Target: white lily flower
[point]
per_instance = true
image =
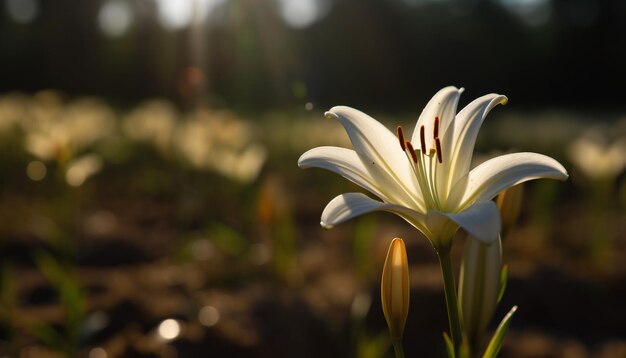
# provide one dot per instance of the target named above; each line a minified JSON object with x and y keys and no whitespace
{"x":430,"y":185}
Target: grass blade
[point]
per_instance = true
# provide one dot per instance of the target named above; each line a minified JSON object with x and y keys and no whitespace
{"x":496,"y":341}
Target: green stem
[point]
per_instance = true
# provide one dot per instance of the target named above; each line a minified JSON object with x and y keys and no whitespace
{"x":397,"y":347}
{"x":451,"y":300}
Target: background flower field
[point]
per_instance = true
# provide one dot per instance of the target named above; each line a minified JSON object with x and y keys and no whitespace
{"x":152,"y":205}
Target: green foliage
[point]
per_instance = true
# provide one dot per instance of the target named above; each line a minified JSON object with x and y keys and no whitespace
{"x":368,"y":346}
{"x":496,"y":341}
{"x":449,"y":345}
{"x":228,"y":239}
{"x":504,"y":277}
{"x":283,"y":247}
{"x":71,"y":299}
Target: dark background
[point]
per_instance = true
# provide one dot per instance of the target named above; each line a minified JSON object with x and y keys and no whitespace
{"x":380,"y":53}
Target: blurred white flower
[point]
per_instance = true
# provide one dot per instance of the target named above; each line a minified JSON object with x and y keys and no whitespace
{"x":221,"y":142}
{"x":244,"y":165}
{"x":12,"y":109}
{"x":82,"y":168}
{"x":57,"y":132}
{"x":152,"y":122}
{"x":596,"y":156}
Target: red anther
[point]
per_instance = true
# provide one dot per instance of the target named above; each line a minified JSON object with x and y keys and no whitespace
{"x":401,"y":138}
{"x":436,"y":131}
{"x":422,"y":139}
{"x":439,"y":154}
{"x":411,"y":151}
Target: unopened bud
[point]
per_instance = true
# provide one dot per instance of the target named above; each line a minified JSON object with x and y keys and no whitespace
{"x":479,"y":286}
{"x":510,"y":203}
{"x":394,"y":288}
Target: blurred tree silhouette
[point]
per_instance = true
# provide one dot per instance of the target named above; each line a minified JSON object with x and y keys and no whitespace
{"x":374,"y":52}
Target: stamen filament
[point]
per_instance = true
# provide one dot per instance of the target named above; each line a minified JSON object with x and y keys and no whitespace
{"x":422,"y":178}
{"x":412,"y":155}
{"x":433,"y":181}
{"x":411,"y":151}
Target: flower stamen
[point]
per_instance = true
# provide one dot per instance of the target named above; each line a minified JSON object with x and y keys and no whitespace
{"x":411,"y":151}
{"x":423,"y":139}
{"x":437,"y":141}
{"x":401,"y":138}
{"x":439,"y":154}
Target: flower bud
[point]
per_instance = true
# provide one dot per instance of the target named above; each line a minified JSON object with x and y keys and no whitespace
{"x":479,"y":286}
{"x":394,"y":288}
{"x":510,"y":203}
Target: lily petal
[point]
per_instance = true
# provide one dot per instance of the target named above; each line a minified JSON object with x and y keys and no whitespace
{"x":349,"y":164}
{"x":499,"y":173}
{"x":345,"y":162}
{"x":463,"y":136}
{"x":442,"y":105}
{"x":481,"y":220}
{"x":375,"y":144}
{"x":349,"y":205}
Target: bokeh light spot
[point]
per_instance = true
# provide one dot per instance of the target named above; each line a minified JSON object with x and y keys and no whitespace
{"x":260,"y":254}
{"x":82,"y":168}
{"x":98,"y":352}
{"x":102,"y":222}
{"x":22,"y":11}
{"x":202,"y":249}
{"x":178,"y":14}
{"x":169,"y":329}
{"x":532,"y":12}
{"x":175,"y":14}
{"x":299,"y":14}
{"x":209,"y":316}
{"x":115,"y":18}
{"x":36,"y":170}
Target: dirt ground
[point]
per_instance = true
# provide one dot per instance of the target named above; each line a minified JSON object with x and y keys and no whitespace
{"x":134,"y":278}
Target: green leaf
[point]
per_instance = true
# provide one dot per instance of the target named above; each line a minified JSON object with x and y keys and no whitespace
{"x":504,"y":276}
{"x":496,"y":341}
{"x":464,"y":350}
{"x":449,"y":345}
{"x":49,"y":336}
{"x":228,"y":240}
{"x":70,"y":296}
{"x":50,"y":268}
{"x":368,"y":346}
